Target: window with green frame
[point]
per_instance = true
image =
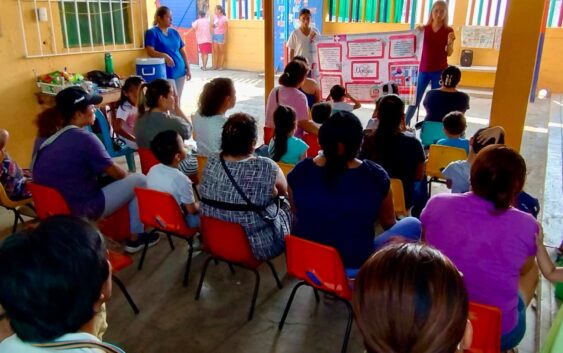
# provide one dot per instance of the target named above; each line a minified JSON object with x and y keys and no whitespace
{"x":79,"y":19}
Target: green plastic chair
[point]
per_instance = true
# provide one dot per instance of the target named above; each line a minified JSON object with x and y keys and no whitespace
{"x":431,"y":132}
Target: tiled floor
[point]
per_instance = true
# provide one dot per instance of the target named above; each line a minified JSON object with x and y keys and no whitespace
{"x":172,"y":321}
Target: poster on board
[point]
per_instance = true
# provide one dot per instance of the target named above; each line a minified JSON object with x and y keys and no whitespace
{"x":363,"y":62}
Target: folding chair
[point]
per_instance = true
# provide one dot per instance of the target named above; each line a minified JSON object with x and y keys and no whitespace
{"x":285,"y":168}
{"x":321,"y":268}
{"x":227,"y":242}
{"x":486,"y":321}
{"x":19,"y":207}
{"x":431,"y":132}
{"x":159,"y":210}
{"x":438,"y":158}
{"x":105,"y":137}
{"x":49,"y":202}
{"x":148,"y":160}
{"x":313,"y":143}
{"x":268,"y":134}
{"x":399,"y":198}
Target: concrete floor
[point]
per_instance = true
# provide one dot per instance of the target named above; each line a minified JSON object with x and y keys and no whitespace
{"x":172,"y":321}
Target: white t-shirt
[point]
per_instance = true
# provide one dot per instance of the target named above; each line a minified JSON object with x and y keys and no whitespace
{"x":341,"y":107}
{"x":128,"y":113}
{"x":13,"y":344}
{"x":171,"y":180}
{"x":301,"y":44}
{"x":459,"y":172}
{"x":207,"y":130}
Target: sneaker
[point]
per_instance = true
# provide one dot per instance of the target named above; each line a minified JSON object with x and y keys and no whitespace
{"x":132,"y":246}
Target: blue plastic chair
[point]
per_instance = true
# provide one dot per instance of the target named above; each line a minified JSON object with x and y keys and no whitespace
{"x":105,"y":137}
{"x":431,"y":132}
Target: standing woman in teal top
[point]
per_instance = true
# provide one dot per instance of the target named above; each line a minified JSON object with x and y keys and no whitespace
{"x":163,"y":41}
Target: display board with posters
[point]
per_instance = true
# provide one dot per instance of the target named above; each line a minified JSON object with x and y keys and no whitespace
{"x":363,"y":62}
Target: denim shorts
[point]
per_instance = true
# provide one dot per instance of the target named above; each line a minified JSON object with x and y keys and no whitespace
{"x":219,"y":38}
{"x":512,"y":338}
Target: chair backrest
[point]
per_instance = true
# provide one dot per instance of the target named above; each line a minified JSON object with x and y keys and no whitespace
{"x":105,"y":132}
{"x":486,"y":321}
{"x":398,"y":198}
{"x":160,"y":210}
{"x":313,"y":143}
{"x":227,"y":241}
{"x":317,"y":264}
{"x":431,"y":132}
{"x":285,"y":168}
{"x":440,"y":156}
{"x":148,"y":160}
{"x":268,"y":134}
{"x":48,"y":201}
{"x":201,"y":162}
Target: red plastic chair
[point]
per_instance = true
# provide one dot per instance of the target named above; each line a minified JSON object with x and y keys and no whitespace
{"x":268,"y":134}
{"x":49,"y":202}
{"x":313,"y":142}
{"x":159,"y":210}
{"x":486,"y":321}
{"x":227,"y":242}
{"x":147,"y":159}
{"x":320,"y":267}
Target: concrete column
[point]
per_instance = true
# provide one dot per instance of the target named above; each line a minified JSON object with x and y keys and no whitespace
{"x":515,"y":68}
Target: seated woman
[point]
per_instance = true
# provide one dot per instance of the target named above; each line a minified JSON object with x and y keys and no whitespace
{"x":72,"y":159}
{"x":492,"y":243}
{"x":398,"y":152}
{"x":240,"y":187}
{"x":288,"y":94}
{"x":441,"y":101}
{"x":337,"y":198}
{"x":12,"y":177}
{"x":411,"y":298}
{"x":310,"y":87}
{"x":218,"y":96}
{"x":159,"y":110}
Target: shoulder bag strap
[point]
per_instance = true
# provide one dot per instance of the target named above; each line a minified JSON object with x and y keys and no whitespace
{"x":66,"y":345}
{"x":277,"y":96}
{"x":49,"y":141}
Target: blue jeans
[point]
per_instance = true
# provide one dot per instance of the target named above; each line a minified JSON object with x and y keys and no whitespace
{"x":424,"y":78}
{"x":511,"y":339}
{"x":122,"y":192}
{"x":408,"y":228}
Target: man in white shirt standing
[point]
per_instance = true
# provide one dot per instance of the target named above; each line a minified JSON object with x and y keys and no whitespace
{"x":300,"y":42}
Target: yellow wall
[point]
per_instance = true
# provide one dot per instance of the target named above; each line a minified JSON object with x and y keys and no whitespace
{"x":18,"y":104}
{"x":245,"y":45}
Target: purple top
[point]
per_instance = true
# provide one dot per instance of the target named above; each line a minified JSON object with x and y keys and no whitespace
{"x":70,"y":165}
{"x":488,"y":248}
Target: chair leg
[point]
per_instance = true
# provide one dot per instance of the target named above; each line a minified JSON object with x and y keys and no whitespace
{"x":429,"y":187}
{"x":189,"y":262}
{"x":202,"y":277}
{"x":288,"y":305}
{"x":16,"y":218}
{"x":170,"y":242}
{"x":275,"y":274}
{"x":348,"y":325}
{"x":131,"y":162}
{"x":145,"y":248}
{"x":231,"y":268}
{"x":126,"y":294}
{"x":317,"y":298}
{"x":254,"y":294}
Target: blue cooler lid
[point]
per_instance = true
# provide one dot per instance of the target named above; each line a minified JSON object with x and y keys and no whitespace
{"x":149,"y":61}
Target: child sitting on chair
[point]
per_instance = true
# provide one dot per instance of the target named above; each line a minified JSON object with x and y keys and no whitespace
{"x":320,"y":112}
{"x":168,"y":148}
{"x":12,"y":177}
{"x":457,"y":173}
{"x":284,"y":146}
{"x":337,"y":95}
{"x":454,"y":128}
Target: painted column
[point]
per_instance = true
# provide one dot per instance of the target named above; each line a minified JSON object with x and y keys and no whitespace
{"x":268,"y":48}
{"x":515,"y":69}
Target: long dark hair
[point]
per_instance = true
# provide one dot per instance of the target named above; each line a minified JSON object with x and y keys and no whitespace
{"x":293,"y":74}
{"x":214,"y":94}
{"x":150,"y":93}
{"x":131,"y":82}
{"x":340,"y":138}
{"x":284,"y":121}
{"x":48,"y":122}
{"x":390,"y":112}
{"x":160,"y":12}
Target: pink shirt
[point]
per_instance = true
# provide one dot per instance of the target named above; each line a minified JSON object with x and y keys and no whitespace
{"x":202,"y":30}
{"x":291,"y":97}
{"x":220,"y":23}
{"x":488,"y":248}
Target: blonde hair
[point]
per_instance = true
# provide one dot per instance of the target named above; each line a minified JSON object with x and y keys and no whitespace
{"x":446,"y":19}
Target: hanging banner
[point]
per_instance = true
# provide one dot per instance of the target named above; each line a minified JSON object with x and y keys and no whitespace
{"x":362,"y":62}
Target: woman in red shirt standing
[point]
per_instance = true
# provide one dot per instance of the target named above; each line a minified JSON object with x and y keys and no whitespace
{"x":438,"y":44}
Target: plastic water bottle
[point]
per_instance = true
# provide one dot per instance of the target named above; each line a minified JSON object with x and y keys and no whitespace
{"x":109,"y":63}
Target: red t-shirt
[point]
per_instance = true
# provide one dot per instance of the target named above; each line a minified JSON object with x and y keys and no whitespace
{"x":434,"y":55}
